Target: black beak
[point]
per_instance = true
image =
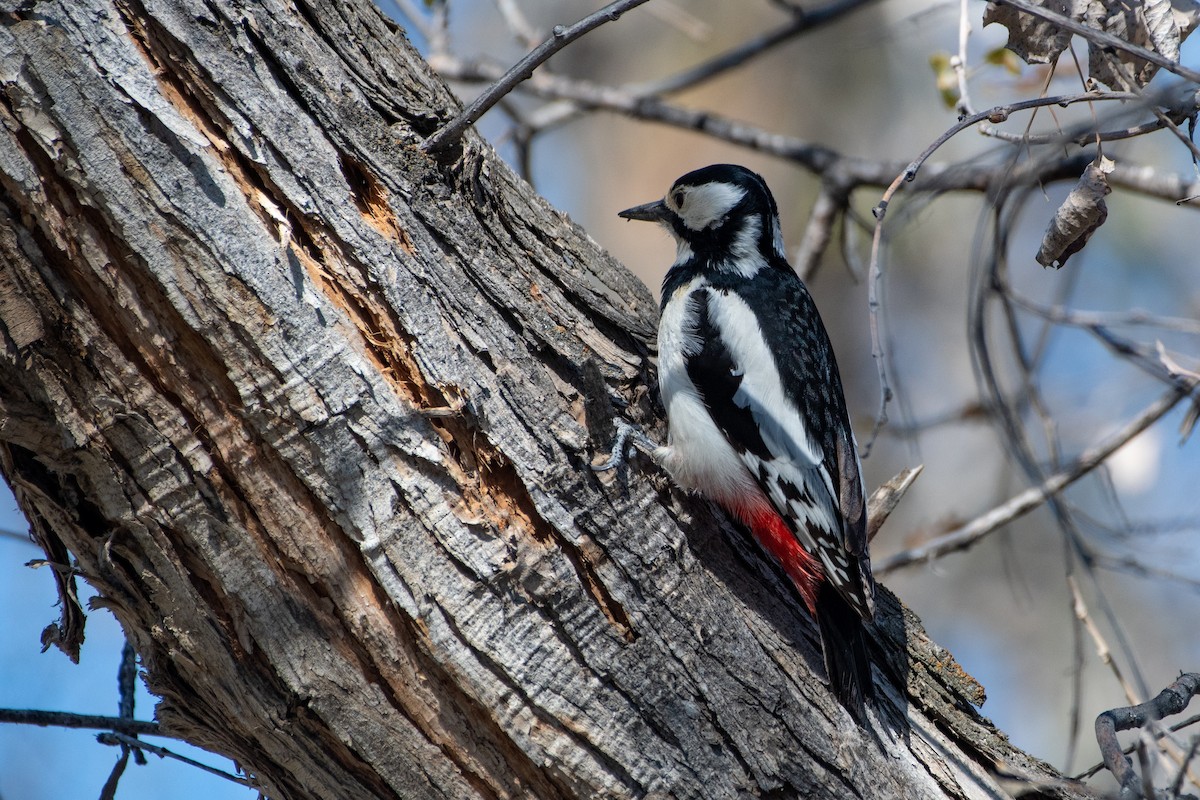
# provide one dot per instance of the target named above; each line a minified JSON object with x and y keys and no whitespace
{"x":649,"y":212}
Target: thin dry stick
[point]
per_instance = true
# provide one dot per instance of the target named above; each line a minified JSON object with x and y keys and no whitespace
{"x":1170,"y":105}
{"x":518,"y":25}
{"x":1147,"y":180}
{"x":1102,"y":649}
{"x":819,"y":231}
{"x":63,"y":719}
{"x":960,"y":60}
{"x":1184,"y":769}
{"x":849,"y":171}
{"x":801,"y":22}
{"x":1152,"y":738}
{"x":994,"y":115}
{"x":560,"y":38}
{"x":966,"y":535}
{"x":120,"y":739}
{"x":1081,"y":318}
{"x":1129,"y":85}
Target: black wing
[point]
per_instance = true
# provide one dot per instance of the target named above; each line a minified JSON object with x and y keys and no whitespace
{"x":800,"y":452}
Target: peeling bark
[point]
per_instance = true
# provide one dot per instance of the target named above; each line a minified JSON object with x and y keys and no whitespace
{"x":314,"y":412}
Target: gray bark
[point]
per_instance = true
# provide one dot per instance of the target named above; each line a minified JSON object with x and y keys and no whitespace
{"x":314,"y":412}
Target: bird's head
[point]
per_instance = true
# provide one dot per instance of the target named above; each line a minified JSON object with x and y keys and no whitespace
{"x":723,"y":214}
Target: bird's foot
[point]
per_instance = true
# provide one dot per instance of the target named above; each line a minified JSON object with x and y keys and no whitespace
{"x":627,"y":434}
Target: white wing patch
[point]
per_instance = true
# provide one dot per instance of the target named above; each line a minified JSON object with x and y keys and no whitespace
{"x":780,"y":423}
{"x":700,"y":457}
{"x":794,"y":477}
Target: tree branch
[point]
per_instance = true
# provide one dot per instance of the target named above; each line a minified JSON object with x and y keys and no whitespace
{"x":1171,"y":700}
{"x":63,"y":719}
{"x":130,"y":743}
{"x":522,"y":70}
{"x":966,"y":535}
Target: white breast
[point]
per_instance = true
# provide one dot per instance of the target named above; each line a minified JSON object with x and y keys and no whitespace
{"x":697,"y":454}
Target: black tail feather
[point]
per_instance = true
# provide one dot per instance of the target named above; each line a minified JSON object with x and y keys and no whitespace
{"x":844,"y":641}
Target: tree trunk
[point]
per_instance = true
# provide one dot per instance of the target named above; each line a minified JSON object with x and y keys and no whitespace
{"x":314,"y":412}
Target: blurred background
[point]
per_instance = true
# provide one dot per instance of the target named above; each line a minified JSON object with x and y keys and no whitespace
{"x":866,"y":86}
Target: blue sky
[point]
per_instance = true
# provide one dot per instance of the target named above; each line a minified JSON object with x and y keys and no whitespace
{"x":50,"y":682}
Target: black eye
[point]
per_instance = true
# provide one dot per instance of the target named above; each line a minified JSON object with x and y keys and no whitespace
{"x":678,"y":198}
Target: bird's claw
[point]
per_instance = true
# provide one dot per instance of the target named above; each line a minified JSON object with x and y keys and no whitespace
{"x":627,"y":434}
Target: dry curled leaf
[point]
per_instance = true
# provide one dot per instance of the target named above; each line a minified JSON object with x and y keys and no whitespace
{"x":1033,"y":39}
{"x":1158,"y":25}
{"x":1078,"y":217}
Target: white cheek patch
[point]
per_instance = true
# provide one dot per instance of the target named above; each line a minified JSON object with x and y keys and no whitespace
{"x":709,"y":203}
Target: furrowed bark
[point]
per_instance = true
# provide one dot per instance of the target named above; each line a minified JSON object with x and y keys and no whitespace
{"x":313,"y":411}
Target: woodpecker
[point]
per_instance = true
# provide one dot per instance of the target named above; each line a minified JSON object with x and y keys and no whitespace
{"x":756,"y":416}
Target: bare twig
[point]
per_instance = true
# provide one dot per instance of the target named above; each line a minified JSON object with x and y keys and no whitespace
{"x":875,"y":274}
{"x":109,"y":790}
{"x":801,"y":22}
{"x":959,"y":62}
{"x":1086,"y":135}
{"x":966,"y":535}
{"x":127,"y":689}
{"x":562,"y":36}
{"x":885,"y":499}
{"x":1172,"y":700}
{"x":1178,"y":726}
{"x":819,"y":230}
{"x":995,"y":114}
{"x":682,"y":20}
{"x":526,"y":33}
{"x":1152,"y":183}
{"x":63,"y":719}
{"x":847,"y":171}
{"x":1061,"y":315}
{"x":439,"y":29}
{"x":22,"y":536}
{"x":120,"y":739}
{"x":554,"y":114}
{"x":1177,"y":784}
{"x":1131,"y":565}
{"x":1129,"y":85}
{"x":1079,"y":607}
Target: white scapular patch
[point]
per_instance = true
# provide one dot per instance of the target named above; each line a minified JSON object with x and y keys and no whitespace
{"x":796,"y":457}
{"x":697,"y":454}
{"x":779,"y":421}
{"x":705,"y":205}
